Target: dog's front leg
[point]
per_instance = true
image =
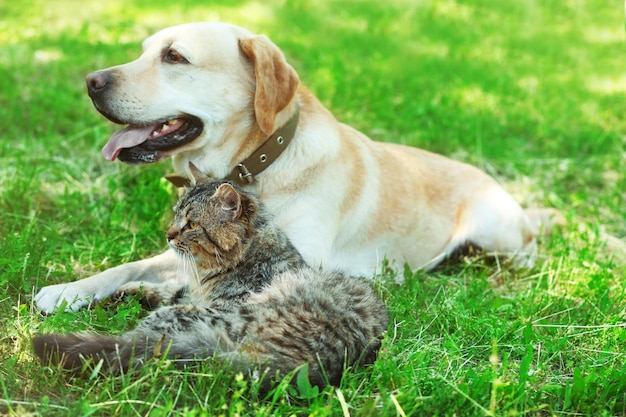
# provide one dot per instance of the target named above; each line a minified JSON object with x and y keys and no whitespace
{"x":78,"y":294}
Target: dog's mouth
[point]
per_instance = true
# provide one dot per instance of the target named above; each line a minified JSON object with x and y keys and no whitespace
{"x":144,"y":144}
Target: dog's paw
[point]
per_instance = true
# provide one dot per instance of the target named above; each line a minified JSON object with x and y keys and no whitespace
{"x":73,"y":297}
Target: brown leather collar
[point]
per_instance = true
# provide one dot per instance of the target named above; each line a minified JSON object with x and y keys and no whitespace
{"x":260,"y":159}
{"x":266,"y":154}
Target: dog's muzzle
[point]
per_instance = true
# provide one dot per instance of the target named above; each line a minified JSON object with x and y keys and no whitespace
{"x":141,"y":142}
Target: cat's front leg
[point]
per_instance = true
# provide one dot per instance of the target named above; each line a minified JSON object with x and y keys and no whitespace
{"x":78,"y":294}
{"x":154,"y":295}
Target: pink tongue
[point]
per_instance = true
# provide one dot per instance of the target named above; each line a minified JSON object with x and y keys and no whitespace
{"x":125,"y":138}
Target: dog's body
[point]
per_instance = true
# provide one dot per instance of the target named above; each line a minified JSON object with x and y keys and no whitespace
{"x":345,"y":201}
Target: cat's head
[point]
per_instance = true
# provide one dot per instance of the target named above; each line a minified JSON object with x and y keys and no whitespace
{"x":213,"y":222}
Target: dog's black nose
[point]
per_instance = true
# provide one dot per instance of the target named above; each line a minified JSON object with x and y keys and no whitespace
{"x":98,"y":81}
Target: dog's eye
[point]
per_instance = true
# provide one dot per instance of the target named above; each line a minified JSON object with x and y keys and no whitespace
{"x":174,"y":57}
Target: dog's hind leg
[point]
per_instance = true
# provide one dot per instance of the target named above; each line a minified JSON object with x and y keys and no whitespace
{"x":495,"y":222}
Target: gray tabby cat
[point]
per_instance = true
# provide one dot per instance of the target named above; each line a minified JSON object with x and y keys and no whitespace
{"x":254,"y":302}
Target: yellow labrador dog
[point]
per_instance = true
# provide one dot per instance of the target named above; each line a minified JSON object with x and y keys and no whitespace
{"x":226,"y":100}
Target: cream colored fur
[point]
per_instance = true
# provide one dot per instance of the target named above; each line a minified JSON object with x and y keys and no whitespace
{"x":344,"y":200}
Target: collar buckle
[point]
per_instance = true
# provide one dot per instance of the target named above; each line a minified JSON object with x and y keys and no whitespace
{"x":245,"y":176}
{"x":245,"y":171}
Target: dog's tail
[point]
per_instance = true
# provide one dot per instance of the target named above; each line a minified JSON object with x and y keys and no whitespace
{"x":544,"y":220}
{"x":77,"y":350}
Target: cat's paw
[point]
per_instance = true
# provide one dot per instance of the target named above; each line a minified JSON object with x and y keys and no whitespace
{"x":149,"y":296}
{"x":130,"y":289}
{"x":152,"y":295}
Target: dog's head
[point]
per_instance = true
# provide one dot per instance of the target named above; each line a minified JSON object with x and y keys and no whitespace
{"x":198,"y":88}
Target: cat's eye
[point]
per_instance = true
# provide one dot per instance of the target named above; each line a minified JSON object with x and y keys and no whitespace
{"x":190,"y":225}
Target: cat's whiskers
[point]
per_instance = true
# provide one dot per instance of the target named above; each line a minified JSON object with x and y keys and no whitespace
{"x":194,"y":270}
{"x":186,"y":268}
{"x":181,"y":268}
{"x":218,"y":257}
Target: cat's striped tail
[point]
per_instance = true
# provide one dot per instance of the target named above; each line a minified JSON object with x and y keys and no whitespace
{"x":73,"y":351}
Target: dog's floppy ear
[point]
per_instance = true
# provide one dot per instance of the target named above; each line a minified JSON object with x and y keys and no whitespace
{"x":276,"y":80}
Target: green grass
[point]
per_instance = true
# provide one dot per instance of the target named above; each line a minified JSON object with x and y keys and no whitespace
{"x":530,"y":91}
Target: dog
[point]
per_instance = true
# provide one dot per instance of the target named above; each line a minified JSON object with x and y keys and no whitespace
{"x":225,"y":100}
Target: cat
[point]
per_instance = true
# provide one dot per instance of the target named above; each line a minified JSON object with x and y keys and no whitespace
{"x":252,"y":301}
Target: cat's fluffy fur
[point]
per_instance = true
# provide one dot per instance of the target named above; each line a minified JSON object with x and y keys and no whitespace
{"x":253,"y":303}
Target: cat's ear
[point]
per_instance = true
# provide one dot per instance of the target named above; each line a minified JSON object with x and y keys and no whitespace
{"x":230,"y":200}
{"x":181,"y":183}
{"x":178,"y":180}
{"x":197,"y":176}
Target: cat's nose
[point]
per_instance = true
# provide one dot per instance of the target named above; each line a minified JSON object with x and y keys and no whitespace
{"x":171,"y":235}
